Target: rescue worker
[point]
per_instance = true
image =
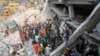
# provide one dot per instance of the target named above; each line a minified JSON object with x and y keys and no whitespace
{"x":30,"y":31}
{"x":6,"y":32}
{"x":48,"y":50}
{"x":37,"y":38}
{"x":37,"y":31}
{"x":24,"y":37}
{"x":67,"y":51}
{"x":36,"y":47}
{"x":67,"y":32}
{"x":43,"y":32}
{"x":91,"y":50}
{"x":41,"y":49}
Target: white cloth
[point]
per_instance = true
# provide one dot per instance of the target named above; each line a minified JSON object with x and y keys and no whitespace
{"x":48,"y":50}
{"x":53,"y":27}
{"x":33,"y":31}
{"x":11,"y":50}
{"x":62,"y":27}
{"x":61,"y":30}
{"x":37,"y":38}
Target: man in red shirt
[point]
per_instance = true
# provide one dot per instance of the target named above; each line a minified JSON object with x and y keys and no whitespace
{"x":6,"y":32}
{"x":24,"y":37}
{"x":36,"y":47}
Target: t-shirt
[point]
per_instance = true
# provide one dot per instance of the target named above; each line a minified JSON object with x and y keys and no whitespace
{"x":36,"y":47}
{"x":43,"y":31}
{"x":41,"y":48}
{"x":48,"y":50}
{"x":6,"y":31}
{"x":23,"y":35}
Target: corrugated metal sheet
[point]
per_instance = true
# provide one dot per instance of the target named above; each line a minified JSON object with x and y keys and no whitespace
{"x":10,"y":24}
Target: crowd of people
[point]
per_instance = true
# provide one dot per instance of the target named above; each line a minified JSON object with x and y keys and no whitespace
{"x":47,"y":36}
{"x":44,"y":35}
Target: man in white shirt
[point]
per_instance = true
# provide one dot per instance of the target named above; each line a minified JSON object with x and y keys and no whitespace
{"x":48,"y":50}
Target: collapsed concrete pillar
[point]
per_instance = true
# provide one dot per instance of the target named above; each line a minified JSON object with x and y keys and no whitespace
{"x":71,"y":11}
{"x":88,"y":24}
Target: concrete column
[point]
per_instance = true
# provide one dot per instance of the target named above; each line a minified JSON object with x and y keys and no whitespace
{"x":71,"y":11}
{"x":64,"y":10}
